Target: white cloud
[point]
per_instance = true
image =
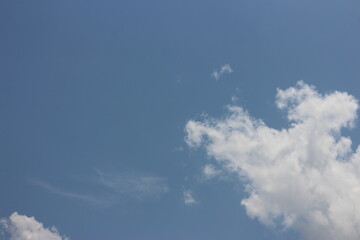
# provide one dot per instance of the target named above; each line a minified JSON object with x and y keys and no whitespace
{"x":21,"y":227}
{"x":305,"y":177}
{"x":210,"y":171}
{"x":217,"y":74}
{"x":188,"y":198}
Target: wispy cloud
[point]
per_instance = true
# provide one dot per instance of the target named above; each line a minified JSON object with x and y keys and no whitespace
{"x":97,"y":201}
{"x":116,"y":187}
{"x":21,"y":227}
{"x":225,"y":69}
{"x":305,"y":177}
{"x":188,"y":198}
{"x":136,"y":185}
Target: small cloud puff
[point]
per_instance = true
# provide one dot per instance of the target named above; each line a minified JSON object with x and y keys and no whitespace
{"x":217,"y":74}
{"x":21,"y":227}
{"x":210,"y":171}
{"x":188,"y":198}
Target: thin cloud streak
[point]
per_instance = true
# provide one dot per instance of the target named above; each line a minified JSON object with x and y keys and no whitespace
{"x":136,"y":185}
{"x":116,"y":186}
{"x":82,"y":197}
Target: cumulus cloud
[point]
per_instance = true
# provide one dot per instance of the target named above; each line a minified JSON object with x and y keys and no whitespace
{"x":21,"y":227}
{"x":188,"y":198}
{"x":217,"y":74}
{"x":305,"y":177}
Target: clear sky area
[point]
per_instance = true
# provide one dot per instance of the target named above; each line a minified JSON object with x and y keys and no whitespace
{"x":181,"y":120}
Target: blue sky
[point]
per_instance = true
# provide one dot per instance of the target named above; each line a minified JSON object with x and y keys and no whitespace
{"x":96,"y":98}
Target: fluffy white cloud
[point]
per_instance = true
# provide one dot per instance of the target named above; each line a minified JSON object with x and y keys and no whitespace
{"x":21,"y":227}
{"x":188,"y":198}
{"x":224,"y":69}
{"x":305,"y":177}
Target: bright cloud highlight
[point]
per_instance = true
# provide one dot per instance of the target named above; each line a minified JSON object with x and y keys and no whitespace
{"x":21,"y":227}
{"x":305,"y":177}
